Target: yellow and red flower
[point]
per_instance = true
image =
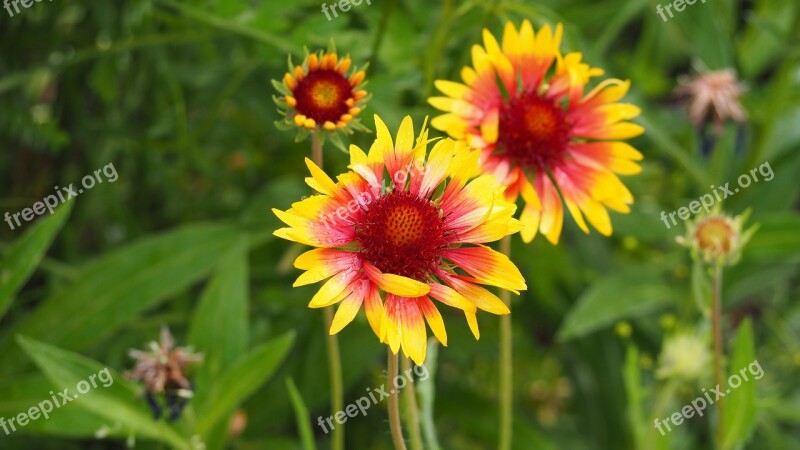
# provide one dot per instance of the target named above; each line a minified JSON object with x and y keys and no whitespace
{"x":324,"y":93}
{"x":399,"y":230}
{"x":540,"y":133}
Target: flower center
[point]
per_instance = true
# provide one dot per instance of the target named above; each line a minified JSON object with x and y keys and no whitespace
{"x":715,"y":236}
{"x":322,"y":95}
{"x":402,"y":234}
{"x":533,"y":131}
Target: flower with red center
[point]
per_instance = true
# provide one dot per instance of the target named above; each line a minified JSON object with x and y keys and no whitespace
{"x":717,"y":238}
{"x":524,"y":105}
{"x":324,"y":93}
{"x":400,"y":229}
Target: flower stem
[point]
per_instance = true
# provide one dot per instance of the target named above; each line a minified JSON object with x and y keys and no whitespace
{"x":394,"y":404}
{"x":716,"y":325}
{"x":506,"y":381}
{"x":331,"y":341}
{"x":411,"y":410}
{"x":316,"y":149}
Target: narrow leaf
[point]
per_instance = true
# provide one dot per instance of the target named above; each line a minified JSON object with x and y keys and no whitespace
{"x":741,"y":407}
{"x":24,"y":254}
{"x":241,"y":381}
{"x":616,"y":297}
{"x":219,"y":329}
{"x":301,"y":414}
{"x":115,"y":288}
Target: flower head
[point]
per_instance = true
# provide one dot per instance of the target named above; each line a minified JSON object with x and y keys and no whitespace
{"x":540,"y":133}
{"x":162,"y":370}
{"x":324,"y":93}
{"x":713,"y":96}
{"x":717,"y":238}
{"x":399,"y":230}
{"x":685,"y":356}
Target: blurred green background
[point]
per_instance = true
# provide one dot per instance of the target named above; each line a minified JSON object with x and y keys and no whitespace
{"x":177,"y":96}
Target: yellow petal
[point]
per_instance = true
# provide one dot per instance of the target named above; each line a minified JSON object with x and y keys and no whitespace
{"x":450,"y":124}
{"x":434,"y":319}
{"x":622,"y":130}
{"x":597,"y":216}
{"x":331,"y":292}
{"x":530,"y":223}
{"x":324,"y":183}
{"x":373,"y":306}
{"x":451,"y":88}
{"x":472,"y":321}
{"x":396,"y":284}
{"x":481,"y":297}
{"x":345,"y":313}
{"x":450,"y":296}
{"x":404,"y":144}
{"x":412,"y":329}
{"x":295,"y":235}
{"x":384,"y":138}
{"x":529,"y":195}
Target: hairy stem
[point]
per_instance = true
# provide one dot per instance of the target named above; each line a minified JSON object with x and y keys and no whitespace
{"x":506,"y":380}
{"x":331,"y":341}
{"x":411,"y":410}
{"x":716,"y":325}
{"x":394,"y":404}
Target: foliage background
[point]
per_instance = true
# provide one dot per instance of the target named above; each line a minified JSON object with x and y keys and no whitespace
{"x":177,"y":96}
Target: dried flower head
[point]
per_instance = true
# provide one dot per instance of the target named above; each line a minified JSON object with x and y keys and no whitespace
{"x":324,"y":94}
{"x":713,"y":96}
{"x":717,"y":238}
{"x":162,"y":370}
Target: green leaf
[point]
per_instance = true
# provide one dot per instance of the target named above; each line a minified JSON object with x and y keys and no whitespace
{"x":741,"y":406}
{"x":219,"y":328}
{"x":301,"y":414}
{"x":777,"y":237}
{"x":632,"y":376}
{"x":112,"y":397}
{"x":117,"y":287}
{"x":20,"y":393}
{"x":243,"y":379}
{"x":616,"y":297}
{"x":24,"y":254}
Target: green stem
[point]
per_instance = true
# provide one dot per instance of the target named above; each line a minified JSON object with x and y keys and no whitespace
{"x":331,"y":341}
{"x":716,"y":325}
{"x":411,"y":410}
{"x":506,"y":380}
{"x":394,"y":404}
{"x":316,"y":150}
